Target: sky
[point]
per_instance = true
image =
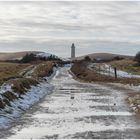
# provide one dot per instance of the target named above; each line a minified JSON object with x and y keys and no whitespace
{"x":53,"y":26}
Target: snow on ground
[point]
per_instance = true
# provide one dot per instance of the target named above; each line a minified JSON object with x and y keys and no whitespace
{"x":43,"y":54}
{"x":128,"y":86}
{"x":5,"y":87}
{"x":30,"y":72}
{"x":27,"y":71}
{"x":91,"y":114}
{"x":18,"y":106}
{"x":66,"y":59}
{"x":108,"y":70}
{"x":9,"y":114}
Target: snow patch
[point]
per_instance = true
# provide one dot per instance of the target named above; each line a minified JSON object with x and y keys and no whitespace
{"x":128,"y":86}
{"x":10,"y":113}
{"x":107,"y":69}
{"x":43,"y":54}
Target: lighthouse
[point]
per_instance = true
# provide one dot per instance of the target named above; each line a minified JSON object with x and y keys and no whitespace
{"x":72,"y":51}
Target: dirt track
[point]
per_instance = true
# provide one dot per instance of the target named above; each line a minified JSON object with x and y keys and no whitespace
{"x":78,"y":110}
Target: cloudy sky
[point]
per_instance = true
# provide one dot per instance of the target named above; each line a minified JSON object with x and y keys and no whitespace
{"x":53,"y":26}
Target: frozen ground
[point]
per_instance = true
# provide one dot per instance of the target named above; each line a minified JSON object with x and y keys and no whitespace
{"x":108,"y":70}
{"x":20,"y":105}
{"x":77,"y":110}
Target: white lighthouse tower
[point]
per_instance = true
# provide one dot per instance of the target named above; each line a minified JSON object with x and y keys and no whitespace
{"x":72,"y":51}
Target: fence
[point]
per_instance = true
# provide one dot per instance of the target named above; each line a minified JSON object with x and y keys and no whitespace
{"x":105,"y":69}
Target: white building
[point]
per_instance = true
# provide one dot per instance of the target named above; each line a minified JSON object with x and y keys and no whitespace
{"x":72,"y":51}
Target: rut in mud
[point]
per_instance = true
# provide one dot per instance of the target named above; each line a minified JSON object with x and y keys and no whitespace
{"x":78,"y":110}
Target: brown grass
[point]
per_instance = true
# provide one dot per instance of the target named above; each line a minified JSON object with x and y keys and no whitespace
{"x":14,"y":55}
{"x":10,"y":73}
{"x":2,"y":104}
{"x":10,"y":70}
{"x":9,"y":95}
{"x":21,"y":85}
{"x":82,"y":72}
{"x":127,"y":65}
{"x":44,"y":69}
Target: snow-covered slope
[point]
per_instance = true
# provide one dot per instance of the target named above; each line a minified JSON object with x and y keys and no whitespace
{"x":18,"y":106}
{"x":44,"y":54}
{"x":10,"y":113}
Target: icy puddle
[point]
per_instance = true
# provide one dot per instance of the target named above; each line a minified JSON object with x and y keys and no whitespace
{"x":78,"y":110}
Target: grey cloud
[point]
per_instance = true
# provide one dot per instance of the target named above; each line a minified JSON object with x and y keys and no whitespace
{"x":62,"y":47}
{"x":53,"y":21}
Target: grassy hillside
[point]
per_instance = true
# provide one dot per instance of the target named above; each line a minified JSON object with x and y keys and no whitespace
{"x":103,"y":56}
{"x":10,"y":70}
{"x":83,"y":72}
{"x":20,"y":78}
{"x":127,"y":65}
{"x":14,"y":55}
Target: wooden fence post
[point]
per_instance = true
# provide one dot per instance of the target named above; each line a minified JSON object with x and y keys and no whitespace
{"x":115,"y":72}
{"x":109,"y":71}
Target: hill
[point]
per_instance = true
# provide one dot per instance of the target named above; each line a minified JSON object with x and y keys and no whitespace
{"x":15,"y":55}
{"x":19,"y":55}
{"x":103,"y":56}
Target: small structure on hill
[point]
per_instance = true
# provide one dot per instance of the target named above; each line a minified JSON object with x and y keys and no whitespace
{"x":72,"y":51}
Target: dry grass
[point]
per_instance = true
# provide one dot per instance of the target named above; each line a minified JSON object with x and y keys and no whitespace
{"x":10,"y":73}
{"x":103,"y":56}
{"x":21,"y":85}
{"x":14,"y":55}
{"x":82,"y":72}
{"x":2,"y":104}
{"x":44,"y":69}
{"x":10,"y":70}
{"x":127,"y":65}
{"x":9,"y":95}
{"x":134,"y":101}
